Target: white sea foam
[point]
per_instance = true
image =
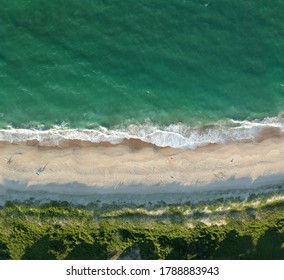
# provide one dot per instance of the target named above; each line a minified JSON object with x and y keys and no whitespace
{"x":175,"y":135}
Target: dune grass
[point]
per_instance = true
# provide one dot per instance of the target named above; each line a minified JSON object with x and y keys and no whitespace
{"x":58,"y":230}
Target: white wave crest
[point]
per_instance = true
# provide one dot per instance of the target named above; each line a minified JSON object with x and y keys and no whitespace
{"x":175,"y":135}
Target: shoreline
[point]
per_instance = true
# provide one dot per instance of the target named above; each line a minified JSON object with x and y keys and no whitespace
{"x":132,"y":163}
{"x":178,"y":135}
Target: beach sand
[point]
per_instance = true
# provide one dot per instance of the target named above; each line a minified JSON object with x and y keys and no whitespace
{"x":133,"y":162}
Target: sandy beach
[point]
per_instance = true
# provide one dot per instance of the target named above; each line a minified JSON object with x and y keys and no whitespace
{"x":134,"y":162}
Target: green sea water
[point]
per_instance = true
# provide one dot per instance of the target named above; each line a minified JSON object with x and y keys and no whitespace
{"x":92,"y":63}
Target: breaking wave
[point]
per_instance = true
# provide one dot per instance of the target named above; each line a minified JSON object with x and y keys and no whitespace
{"x":175,"y":135}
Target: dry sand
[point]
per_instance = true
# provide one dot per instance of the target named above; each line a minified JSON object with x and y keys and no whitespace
{"x":134,"y":163}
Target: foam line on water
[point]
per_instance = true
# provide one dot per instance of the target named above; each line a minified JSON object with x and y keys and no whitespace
{"x":175,"y":135}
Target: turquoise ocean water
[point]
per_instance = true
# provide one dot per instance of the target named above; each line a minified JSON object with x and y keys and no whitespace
{"x":176,"y":72}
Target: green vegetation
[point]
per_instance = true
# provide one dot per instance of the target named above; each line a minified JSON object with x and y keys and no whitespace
{"x":231,"y":230}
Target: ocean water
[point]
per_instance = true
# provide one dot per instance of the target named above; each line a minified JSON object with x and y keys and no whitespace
{"x":181,"y":73}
